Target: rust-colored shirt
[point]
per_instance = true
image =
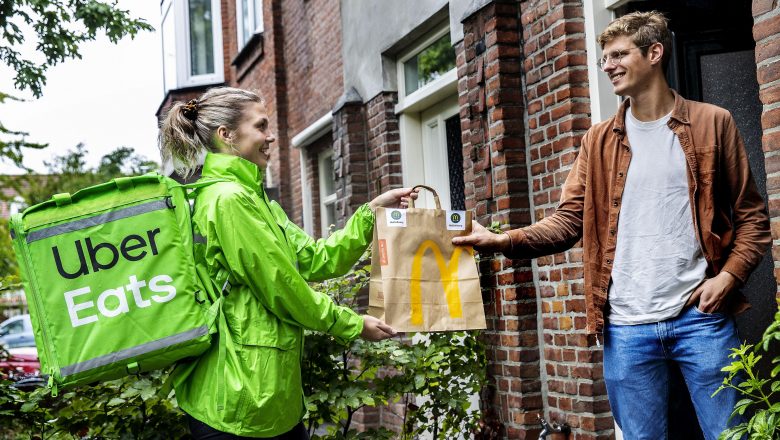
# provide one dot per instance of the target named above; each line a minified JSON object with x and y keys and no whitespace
{"x":729,"y":215}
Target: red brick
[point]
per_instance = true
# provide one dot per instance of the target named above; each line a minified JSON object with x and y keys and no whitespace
{"x":769,"y":72}
{"x":762,"y":6}
{"x":771,"y":118}
{"x":767,"y":49}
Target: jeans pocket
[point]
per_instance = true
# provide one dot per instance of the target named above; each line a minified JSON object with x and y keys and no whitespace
{"x":696,"y":310}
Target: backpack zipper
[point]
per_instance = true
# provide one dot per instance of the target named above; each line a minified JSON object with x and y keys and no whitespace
{"x":53,"y":364}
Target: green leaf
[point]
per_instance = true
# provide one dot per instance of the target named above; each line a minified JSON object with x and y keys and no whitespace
{"x":116,"y":401}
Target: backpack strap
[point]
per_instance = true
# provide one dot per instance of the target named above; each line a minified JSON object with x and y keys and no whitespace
{"x":223,"y":285}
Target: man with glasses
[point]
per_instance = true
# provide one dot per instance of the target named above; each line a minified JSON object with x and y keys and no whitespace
{"x":671,"y":224}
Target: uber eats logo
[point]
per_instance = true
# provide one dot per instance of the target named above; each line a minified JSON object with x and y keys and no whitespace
{"x":86,"y":256}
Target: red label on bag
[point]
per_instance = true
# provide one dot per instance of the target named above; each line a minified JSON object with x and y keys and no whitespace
{"x":382,"y":253}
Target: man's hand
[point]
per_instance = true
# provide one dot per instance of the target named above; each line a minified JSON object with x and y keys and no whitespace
{"x":483,"y":240}
{"x":712,"y":292}
{"x":375,"y":330}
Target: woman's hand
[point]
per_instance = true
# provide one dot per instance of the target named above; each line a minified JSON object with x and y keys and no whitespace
{"x":395,"y":198}
{"x":375,"y":330}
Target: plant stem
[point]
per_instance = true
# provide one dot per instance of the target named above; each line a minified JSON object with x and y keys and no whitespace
{"x":348,"y":422}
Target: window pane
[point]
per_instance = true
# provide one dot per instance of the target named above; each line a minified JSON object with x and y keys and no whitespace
{"x":246,"y":23}
{"x":170,"y":80}
{"x":328,"y":185}
{"x":201,"y":38}
{"x":330,"y":218}
{"x":15,"y":327}
{"x":431,"y":63}
{"x":258,"y":15}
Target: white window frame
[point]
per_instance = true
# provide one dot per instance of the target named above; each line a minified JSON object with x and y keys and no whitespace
{"x":251,"y":4}
{"x":436,"y":87}
{"x":603,"y":101}
{"x":300,"y":141}
{"x":325,"y":199}
{"x":180,"y":9}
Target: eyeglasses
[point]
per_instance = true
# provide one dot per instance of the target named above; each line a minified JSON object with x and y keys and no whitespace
{"x":615,"y":56}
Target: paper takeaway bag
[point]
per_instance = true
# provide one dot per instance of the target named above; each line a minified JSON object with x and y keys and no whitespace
{"x":427,"y":283}
{"x":376,"y":298}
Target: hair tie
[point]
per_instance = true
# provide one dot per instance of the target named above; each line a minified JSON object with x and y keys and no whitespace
{"x":190,"y":110}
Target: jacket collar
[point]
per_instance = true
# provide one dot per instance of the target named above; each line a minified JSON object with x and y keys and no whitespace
{"x":226,"y":166}
{"x":679,"y":112}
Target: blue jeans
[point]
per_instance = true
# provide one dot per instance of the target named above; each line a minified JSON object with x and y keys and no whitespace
{"x":636,"y":371}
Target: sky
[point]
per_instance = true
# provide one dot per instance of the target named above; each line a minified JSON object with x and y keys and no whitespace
{"x":107,"y":99}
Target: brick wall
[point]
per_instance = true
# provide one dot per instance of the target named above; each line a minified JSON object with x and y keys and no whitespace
{"x":766,"y":32}
{"x":313,"y":69}
{"x":384,"y":146}
{"x":557,"y":93}
{"x":496,"y":185}
{"x":350,"y":141}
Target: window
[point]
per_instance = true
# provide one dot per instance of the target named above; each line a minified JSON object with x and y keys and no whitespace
{"x":249,"y":20}
{"x":191,"y":43}
{"x":201,"y":38}
{"x":327,"y":191}
{"x":13,"y":328}
{"x":429,"y":64}
{"x":426,"y":71}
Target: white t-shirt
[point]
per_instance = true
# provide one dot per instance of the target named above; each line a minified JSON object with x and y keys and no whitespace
{"x":658,"y":260}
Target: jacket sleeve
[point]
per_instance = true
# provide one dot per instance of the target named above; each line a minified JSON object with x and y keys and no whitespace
{"x":257,"y":258}
{"x":332,"y":256}
{"x":752,"y":236}
{"x":563,"y":228}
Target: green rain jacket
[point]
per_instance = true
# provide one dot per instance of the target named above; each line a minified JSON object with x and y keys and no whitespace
{"x":270,"y":260}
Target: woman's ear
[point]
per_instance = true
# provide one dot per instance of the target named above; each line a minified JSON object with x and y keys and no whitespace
{"x":224,"y":134}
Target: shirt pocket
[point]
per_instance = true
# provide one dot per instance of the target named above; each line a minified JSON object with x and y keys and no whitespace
{"x":707,"y":162}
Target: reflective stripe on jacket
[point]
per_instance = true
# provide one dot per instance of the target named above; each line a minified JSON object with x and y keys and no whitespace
{"x":270,"y":260}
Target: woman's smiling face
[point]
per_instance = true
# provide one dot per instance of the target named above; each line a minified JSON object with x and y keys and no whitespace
{"x":253,"y":138}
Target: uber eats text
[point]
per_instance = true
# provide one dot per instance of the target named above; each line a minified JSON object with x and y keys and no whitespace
{"x":96,"y":257}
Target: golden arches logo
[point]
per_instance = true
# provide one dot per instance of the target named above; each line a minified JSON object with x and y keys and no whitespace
{"x":449,"y":279}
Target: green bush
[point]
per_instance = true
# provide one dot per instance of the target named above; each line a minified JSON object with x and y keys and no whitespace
{"x":442,"y":369}
{"x":128,"y":408}
{"x":759,"y":395}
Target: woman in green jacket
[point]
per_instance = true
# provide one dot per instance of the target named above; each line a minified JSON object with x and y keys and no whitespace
{"x":249,"y":384}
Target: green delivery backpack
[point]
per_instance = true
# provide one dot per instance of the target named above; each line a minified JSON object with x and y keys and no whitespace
{"x":111,"y":281}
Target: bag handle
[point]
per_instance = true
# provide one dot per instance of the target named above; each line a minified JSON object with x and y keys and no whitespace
{"x":435,"y":196}
{"x":121,"y":183}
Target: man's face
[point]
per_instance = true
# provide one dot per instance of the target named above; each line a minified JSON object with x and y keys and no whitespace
{"x":628,"y":70}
